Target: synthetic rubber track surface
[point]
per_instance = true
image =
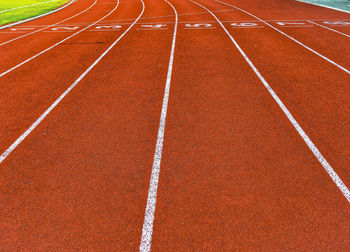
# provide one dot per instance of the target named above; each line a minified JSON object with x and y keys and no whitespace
{"x":234,"y":172}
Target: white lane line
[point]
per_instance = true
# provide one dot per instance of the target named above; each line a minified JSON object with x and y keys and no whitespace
{"x":36,"y":17}
{"x":25,"y":6}
{"x":47,"y":49}
{"x":296,"y":41}
{"x":147,"y":229}
{"x":342,"y":187}
{"x":27,"y":34}
{"x":37,"y":122}
{"x":346,"y":35}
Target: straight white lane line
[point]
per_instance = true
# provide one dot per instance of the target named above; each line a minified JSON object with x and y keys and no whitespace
{"x":291,"y":38}
{"x":30,"y":33}
{"x":147,"y":229}
{"x":42,"y":117}
{"x":342,"y":187}
{"x":36,"y":17}
{"x":53,"y":46}
{"x":25,"y":6}
{"x":346,"y":35}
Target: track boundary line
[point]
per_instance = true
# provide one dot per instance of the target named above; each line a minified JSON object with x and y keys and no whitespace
{"x":36,"y":17}
{"x":323,"y":26}
{"x":58,"y":43}
{"x":30,"y":33}
{"x":290,"y":37}
{"x":59,"y":99}
{"x":147,"y":229}
{"x":327,"y":167}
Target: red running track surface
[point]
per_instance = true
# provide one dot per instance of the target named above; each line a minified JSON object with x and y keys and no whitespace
{"x":235,"y":174}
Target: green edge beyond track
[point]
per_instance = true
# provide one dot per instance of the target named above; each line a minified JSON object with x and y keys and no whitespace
{"x":12,"y":11}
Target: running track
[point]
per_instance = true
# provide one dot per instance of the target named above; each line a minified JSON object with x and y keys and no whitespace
{"x":178,"y":125}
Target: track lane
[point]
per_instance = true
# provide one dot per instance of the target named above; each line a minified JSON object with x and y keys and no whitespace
{"x":106,"y":146}
{"x":235,"y":174}
{"x":309,"y":35}
{"x":76,"y":7}
{"x":25,"y":96}
{"x":331,"y":28}
{"x":28,"y":30}
{"x":12,"y":60}
{"x":307,"y":47}
{"x":315,"y":92}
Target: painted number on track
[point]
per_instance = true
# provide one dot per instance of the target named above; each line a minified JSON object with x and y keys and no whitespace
{"x":155,"y":26}
{"x":336,"y":22}
{"x":244,"y":24}
{"x":198,"y":26}
{"x":108,"y":27}
{"x":65,"y":28}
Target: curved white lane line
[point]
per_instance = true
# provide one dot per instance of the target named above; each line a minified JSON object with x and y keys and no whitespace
{"x":147,"y":229}
{"x":291,"y":38}
{"x":30,"y":33}
{"x":42,"y":117}
{"x":36,"y":17}
{"x":25,"y":6}
{"x":342,"y":187}
{"x":346,"y":35}
{"x":53,"y":46}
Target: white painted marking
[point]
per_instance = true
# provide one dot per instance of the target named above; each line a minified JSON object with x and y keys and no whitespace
{"x":27,"y":34}
{"x":107,"y":30}
{"x":42,"y":117}
{"x":247,"y":27}
{"x":146,"y":29}
{"x":147,"y":229}
{"x":108,"y":27}
{"x":298,"y":26}
{"x":53,"y":46}
{"x":346,"y":35}
{"x":12,"y":32}
{"x":337,"y":23}
{"x":291,"y":38}
{"x":334,"y":176}
{"x":244,"y":24}
{"x":36,"y":17}
{"x":198,"y":25}
{"x":289,"y":23}
{"x":56,"y":31}
{"x":25,"y":6}
{"x":21,"y":29}
{"x":65,"y":28}
{"x":203,"y":28}
{"x":153,"y":26}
